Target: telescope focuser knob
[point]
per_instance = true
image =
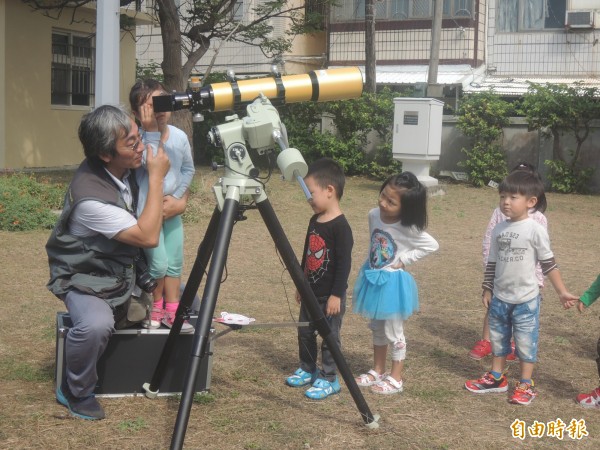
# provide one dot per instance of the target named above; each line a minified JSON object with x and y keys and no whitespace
{"x":213,"y":137}
{"x":195,"y":83}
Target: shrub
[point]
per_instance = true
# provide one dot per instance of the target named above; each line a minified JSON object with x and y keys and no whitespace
{"x":382,"y":163}
{"x":567,"y":179}
{"x":26,"y":204}
{"x":484,"y":163}
{"x":482,"y":117}
{"x":352,"y":121}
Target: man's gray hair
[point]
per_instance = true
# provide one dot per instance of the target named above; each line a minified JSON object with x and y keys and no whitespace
{"x":101,"y":128}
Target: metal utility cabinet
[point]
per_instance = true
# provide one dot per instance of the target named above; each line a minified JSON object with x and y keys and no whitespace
{"x":417,"y":138}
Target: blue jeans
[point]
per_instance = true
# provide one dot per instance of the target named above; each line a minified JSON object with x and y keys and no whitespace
{"x":521,"y":321}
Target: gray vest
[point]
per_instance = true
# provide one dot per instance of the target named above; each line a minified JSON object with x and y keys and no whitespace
{"x":93,"y":265}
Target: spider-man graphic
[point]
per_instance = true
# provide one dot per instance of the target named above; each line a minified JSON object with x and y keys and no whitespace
{"x":317,"y":258}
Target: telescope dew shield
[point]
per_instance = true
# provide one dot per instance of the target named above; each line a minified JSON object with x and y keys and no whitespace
{"x":317,"y":86}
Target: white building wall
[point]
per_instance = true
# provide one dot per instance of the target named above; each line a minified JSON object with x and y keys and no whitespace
{"x":407,"y":40}
{"x":547,"y":53}
{"x":231,"y":55}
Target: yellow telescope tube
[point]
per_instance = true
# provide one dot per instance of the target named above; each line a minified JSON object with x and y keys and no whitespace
{"x":318,"y":85}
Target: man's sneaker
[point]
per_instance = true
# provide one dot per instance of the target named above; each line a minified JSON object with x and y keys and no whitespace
{"x":512,"y":356}
{"x":156,"y":317}
{"x":481,"y":349}
{"x":523,"y":394}
{"x":169,"y":318}
{"x":591,"y":400}
{"x":85,"y":408}
{"x":487,"y":383}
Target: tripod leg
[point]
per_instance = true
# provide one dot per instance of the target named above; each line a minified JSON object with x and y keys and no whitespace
{"x":289,"y":258}
{"x":191,"y":288}
{"x":207,"y":308}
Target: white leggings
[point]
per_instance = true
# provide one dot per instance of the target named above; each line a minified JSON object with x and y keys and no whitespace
{"x":390,"y":331}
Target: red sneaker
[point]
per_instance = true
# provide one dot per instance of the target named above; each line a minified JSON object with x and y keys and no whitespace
{"x":481,"y":349}
{"x":523,"y":394}
{"x":512,"y":355}
{"x":487,"y":383}
{"x":591,"y":400}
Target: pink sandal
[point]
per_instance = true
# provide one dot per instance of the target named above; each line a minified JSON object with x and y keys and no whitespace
{"x":387,"y":386}
{"x":366,"y":380}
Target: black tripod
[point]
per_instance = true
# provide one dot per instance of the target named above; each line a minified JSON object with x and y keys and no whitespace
{"x":214,"y":247}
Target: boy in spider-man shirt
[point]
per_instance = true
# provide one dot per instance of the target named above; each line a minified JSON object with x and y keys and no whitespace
{"x":326,"y":263}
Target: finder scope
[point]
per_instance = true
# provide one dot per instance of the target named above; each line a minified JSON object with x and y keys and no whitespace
{"x":317,"y":85}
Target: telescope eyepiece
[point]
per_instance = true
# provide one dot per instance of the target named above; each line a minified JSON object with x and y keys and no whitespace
{"x":163,"y":103}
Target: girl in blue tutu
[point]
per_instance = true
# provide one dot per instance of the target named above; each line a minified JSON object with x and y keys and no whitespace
{"x":384,"y":291}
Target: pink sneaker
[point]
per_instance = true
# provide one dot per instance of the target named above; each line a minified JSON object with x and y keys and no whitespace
{"x":591,"y":400}
{"x":481,"y":349}
{"x":169,"y":318}
{"x":156,"y":317}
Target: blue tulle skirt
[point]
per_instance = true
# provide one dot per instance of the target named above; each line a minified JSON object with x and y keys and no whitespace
{"x":382,"y":294}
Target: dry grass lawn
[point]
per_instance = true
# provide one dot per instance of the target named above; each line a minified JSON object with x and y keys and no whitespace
{"x":249,"y":407}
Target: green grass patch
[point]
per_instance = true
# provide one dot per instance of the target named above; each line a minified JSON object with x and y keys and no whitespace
{"x":244,"y":375}
{"x":204,"y":398}
{"x":27,"y":204}
{"x":137,"y":424}
{"x":12,"y":369}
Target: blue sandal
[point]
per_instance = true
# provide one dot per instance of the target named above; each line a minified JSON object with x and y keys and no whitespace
{"x":322,"y":389}
{"x":301,"y":378}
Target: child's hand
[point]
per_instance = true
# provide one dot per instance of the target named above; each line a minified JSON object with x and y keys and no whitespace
{"x":567,"y":299}
{"x":147,"y":118}
{"x":580,"y":306}
{"x":333,"y":306}
{"x":157,"y":165}
{"x":486,"y":298}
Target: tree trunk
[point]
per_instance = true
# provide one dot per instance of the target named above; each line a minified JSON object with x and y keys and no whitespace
{"x":580,"y":140}
{"x":556,"y":152}
{"x":168,"y":16}
{"x":433,"y":89}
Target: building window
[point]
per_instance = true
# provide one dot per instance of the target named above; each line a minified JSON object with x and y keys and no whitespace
{"x":530,"y":15}
{"x":353,"y":10}
{"x":238,"y":11}
{"x":314,"y":7}
{"x":72,"y":75}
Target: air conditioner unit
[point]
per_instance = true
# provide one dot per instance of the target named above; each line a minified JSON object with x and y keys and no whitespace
{"x":579,"y":19}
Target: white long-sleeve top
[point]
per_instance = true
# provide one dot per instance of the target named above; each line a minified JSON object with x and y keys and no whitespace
{"x":392,"y":243}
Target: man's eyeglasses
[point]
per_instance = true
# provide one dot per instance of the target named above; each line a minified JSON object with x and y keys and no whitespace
{"x":136,"y":144}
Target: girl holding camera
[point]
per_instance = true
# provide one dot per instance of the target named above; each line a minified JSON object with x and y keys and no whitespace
{"x":165,"y":262}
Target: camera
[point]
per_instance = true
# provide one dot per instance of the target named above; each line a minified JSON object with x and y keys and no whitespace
{"x":142,"y":277}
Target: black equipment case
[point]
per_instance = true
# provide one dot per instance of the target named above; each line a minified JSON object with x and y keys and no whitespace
{"x":131,"y":358}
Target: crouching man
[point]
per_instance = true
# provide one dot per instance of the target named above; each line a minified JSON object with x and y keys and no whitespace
{"x":94,"y":245}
